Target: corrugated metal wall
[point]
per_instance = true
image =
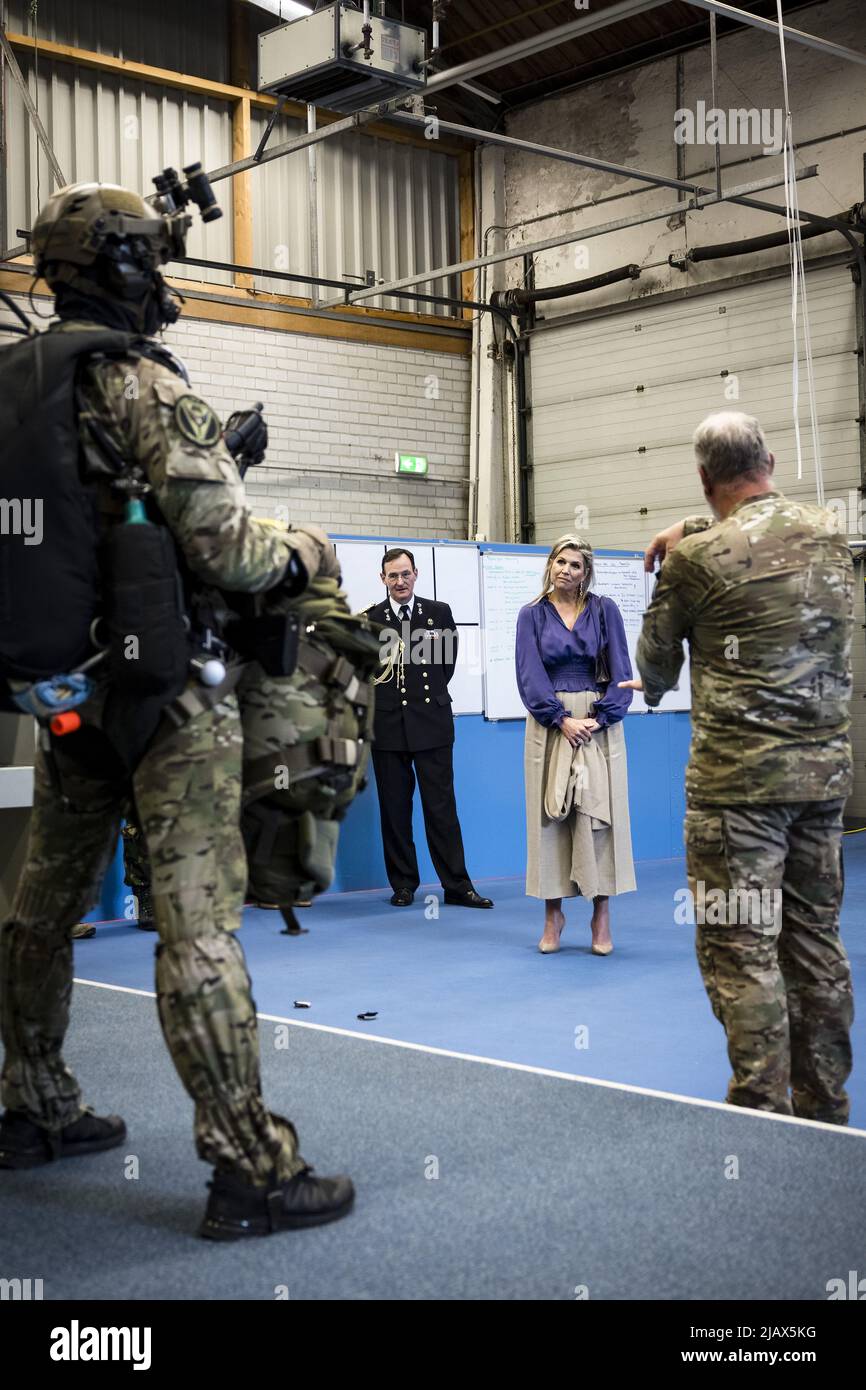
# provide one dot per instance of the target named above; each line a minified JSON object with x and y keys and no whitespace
{"x":101,"y":127}
{"x":187,"y":37}
{"x":383,"y":206}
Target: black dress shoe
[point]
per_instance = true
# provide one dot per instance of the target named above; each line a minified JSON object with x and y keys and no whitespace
{"x":402,"y":897}
{"x":236,"y":1209}
{"x":468,"y":899}
{"x":26,"y":1145}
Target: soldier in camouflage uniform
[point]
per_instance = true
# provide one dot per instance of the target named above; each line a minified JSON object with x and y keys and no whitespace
{"x":764,"y":597}
{"x":306,"y":746}
{"x":136,"y":872}
{"x":186,"y":785}
{"x":136,"y":875}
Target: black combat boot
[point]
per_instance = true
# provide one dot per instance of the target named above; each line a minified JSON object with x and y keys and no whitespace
{"x":236,"y":1209}
{"x":144,"y":907}
{"x":26,"y":1145}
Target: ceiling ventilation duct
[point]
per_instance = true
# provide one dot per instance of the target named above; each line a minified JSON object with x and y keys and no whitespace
{"x":343,"y":58}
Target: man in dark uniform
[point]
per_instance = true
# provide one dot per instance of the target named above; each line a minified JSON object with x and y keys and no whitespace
{"x":414,"y":735}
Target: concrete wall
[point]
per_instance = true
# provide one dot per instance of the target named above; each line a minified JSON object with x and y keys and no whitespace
{"x":336,"y":412}
{"x":629,"y":119}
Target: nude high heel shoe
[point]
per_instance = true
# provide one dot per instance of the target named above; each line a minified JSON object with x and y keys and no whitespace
{"x":551,"y":950}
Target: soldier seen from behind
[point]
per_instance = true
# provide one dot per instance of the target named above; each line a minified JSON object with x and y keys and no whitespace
{"x":763,"y":593}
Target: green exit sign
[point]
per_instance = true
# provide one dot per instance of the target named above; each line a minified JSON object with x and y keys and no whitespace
{"x":411,"y":463}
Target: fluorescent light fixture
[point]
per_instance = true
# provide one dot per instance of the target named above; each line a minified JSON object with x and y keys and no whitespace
{"x":283,"y":9}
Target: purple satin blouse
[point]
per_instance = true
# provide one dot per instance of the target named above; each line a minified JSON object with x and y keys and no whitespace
{"x":550,"y":658}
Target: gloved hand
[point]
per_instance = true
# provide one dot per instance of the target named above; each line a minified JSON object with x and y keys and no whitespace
{"x":315,"y":551}
{"x":246,"y":437}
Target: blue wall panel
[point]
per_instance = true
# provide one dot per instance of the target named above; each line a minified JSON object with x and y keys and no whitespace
{"x":488,"y":774}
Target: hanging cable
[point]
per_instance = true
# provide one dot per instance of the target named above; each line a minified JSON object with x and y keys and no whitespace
{"x":34,"y":19}
{"x":798,"y":283}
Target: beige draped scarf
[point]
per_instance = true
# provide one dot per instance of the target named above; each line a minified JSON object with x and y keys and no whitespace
{"x":578,"y":836}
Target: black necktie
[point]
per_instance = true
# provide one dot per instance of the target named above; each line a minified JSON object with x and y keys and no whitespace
{"x":404,"y":612}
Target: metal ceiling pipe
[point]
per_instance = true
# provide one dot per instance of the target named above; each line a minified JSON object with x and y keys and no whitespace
{"x":525,"y":48}
{"x":703,"y":199}
{"x":511,"y":142}
{"x":300,"y":142}
{"x":833,"y":50}
{"x":451,"y":77}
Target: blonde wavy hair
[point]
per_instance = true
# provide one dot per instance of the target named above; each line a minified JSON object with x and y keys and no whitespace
{"x":567,"y":543}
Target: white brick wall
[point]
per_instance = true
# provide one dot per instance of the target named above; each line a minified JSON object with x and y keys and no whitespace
{"x":336,"y":413}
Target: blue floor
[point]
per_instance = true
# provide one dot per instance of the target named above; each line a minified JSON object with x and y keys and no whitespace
{"x":473,"y":981}
{"x":473,"y":1181}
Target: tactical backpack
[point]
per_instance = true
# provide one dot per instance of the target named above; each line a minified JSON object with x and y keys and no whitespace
{"x":306,"y":745}
{"x":51,"y":561}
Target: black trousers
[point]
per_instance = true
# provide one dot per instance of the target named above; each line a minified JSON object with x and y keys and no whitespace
{"x":395,"y":781}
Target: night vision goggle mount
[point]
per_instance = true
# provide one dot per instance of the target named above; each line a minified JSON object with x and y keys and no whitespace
{"x":173,"y":196}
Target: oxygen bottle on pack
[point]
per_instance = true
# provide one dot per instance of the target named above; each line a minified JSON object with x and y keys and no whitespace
{"x":147,"y":630}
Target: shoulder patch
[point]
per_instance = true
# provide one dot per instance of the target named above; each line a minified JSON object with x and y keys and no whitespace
{"x":197,"y":421}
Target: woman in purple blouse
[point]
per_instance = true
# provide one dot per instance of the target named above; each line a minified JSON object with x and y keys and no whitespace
{"x":577,"y":821}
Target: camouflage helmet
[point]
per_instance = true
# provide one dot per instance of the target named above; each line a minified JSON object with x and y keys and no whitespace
{"x":75,"y":225}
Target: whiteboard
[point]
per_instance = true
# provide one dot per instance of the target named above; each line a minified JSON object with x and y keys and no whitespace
{"x":681,"y":696}
{"x":457,"y":573}
{"x":447,"y":572}
{"x":510,"y":579}
{"x":361,"y":566}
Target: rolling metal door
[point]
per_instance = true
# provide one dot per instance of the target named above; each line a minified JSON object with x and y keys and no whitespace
{"x":615,"y":401}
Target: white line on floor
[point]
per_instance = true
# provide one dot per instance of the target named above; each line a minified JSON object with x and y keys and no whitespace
{"x":519,"y":1066}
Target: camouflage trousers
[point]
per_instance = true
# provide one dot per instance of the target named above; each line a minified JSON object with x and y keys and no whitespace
{"x":289,"y":833}
{"x":136,"y":866}
{"x":187,"y":792}
{"x":767,"y":888}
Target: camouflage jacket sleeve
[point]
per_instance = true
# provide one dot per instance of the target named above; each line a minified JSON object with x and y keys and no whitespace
{"x":693,"y":524}
{"x":680,"y":590}
{"x":160,"y":423}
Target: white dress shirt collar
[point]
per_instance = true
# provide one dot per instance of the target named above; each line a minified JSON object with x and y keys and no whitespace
{"x":397,"y":606}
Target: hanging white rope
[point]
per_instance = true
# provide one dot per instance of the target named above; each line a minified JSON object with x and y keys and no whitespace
{"x":798,"y":284}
